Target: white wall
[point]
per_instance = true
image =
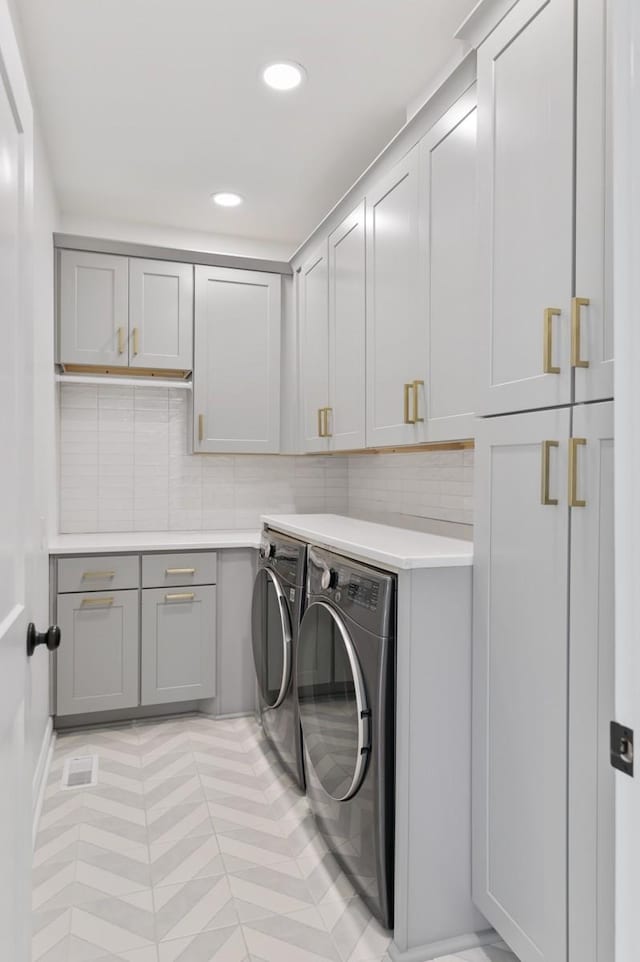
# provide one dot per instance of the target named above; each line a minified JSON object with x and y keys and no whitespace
{"x":171,"y":237}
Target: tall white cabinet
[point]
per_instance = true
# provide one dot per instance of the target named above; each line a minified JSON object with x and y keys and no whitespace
{"x":543,"y":807}
{"x":236,"y":380}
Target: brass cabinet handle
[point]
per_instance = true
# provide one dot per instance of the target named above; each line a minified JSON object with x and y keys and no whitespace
{"x":577,"y":303}
{"x":97,"y":601}
{"x":201,"y":428}
{"x":181,"y":596}
{"x":548,"y":365}
{"x":136,"y":342}
{"x":574,"y":500}
{"x":179,"y":571}
{"x":320,"y":432}
{"x":121,"y":340}
{"x":544,"y":487}
{"x":407,"y":399}
{"x":327,"y":432}
{"x":416,"y":401}
{"x":86,"y":575}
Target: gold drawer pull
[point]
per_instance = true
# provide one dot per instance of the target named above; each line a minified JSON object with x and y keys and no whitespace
{"x":121,"y":340}
{"x":544,"y":494}
{"x":136,"y":342}
{"x":327,"y":432}
{"x":87,"y":575}
{"x":407,"y":392}
{"x":180,"y":596}
{"x":576,"y":304}
{"x":574,"y":500}
{"x":179,"y":571}
{"x":201,"y":428}
{"x":416,"y":401}
{"x":97,"y":601}
{"x":548,"y":365}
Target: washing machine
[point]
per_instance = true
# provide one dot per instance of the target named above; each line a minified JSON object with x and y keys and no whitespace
{"x":277,"y":605}
{"x":346,"y":695}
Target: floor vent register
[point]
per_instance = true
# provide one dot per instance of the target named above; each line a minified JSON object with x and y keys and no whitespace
{"x":80,"y":771}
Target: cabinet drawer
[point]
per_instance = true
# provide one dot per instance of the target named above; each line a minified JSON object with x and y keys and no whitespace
{"x":175,"y":570}
{"x":100,"y":573}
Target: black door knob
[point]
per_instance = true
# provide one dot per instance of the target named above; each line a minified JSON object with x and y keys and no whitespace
{"x":50,"y":638}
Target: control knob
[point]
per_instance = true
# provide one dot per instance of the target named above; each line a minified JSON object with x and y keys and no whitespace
{"x":267,"y":550}
{"x":329,"y":578}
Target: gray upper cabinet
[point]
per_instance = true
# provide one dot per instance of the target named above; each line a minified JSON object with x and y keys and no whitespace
{"x":93,"y":309}
{"x":591,"y":697}
{"x":160,"y":315}
{"x":125,"y":312}
{"x":526,"y":183}
{"x":396,"y":328}
{"x":313,"y":316}
{"x":178,"y":644}
{"x":449,"y":252}
{"x":236,"y":381}
{"x":98,"y":658}
{"x":345,"y":419}
{"x":521,"y":558}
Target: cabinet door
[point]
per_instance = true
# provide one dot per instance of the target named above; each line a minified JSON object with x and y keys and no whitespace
{"x":313,"y":294}
{"x":525,"y":157}
{"x":97,"y":662}
{"x":347,"y":322}
{"x":396,"y":324}
{"x":520,"y":681}
{"x":449,"y":218}
{"x":160,"y":314}
{"x":591,"y":639}
{"x":594,"y":200}
{"x":178,"y":644}
{"x":236,"y":381}
{"x":94,"y":309}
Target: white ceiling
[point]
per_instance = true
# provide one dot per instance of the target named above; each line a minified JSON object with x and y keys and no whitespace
{"x":149,"y":106}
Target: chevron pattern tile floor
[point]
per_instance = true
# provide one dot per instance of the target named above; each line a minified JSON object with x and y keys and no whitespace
{"x":192,"y":847}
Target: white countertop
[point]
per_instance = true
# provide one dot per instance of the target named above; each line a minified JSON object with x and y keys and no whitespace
{"x":394,"y":548}
{"x":112,"y":542}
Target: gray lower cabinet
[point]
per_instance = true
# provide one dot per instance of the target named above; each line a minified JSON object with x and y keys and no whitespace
{"x":178,"y":644}
{"x":98,"y":663}
{"x":137,"y":630}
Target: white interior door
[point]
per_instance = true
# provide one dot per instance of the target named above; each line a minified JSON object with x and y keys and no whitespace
{"x":17,"y":500}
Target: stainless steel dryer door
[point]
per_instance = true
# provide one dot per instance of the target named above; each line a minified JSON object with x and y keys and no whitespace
{"x":334,"y":712}
{"x":271,"y":637}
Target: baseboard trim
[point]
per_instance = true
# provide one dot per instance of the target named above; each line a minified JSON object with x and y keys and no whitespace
{"x":446,"y":947}
{"x":40,"y":776}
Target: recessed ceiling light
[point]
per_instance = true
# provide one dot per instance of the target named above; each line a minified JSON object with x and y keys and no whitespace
{"x":284,"y":75}
{"x":225,"y":198}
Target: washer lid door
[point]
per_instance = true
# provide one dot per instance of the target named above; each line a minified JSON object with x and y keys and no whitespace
{"x":333,"y":702}
{"x":271,"y":637}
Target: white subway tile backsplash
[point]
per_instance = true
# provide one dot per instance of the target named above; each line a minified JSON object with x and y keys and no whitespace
{"x":125,"y":465}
